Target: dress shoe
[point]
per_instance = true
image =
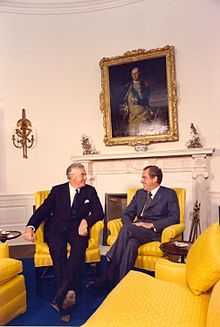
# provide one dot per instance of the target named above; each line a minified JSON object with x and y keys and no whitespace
{"x":69,"y":300}
{"x":67,"y":305}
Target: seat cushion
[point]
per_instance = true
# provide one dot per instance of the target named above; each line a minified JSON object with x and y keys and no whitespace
{"x":9,"y":268}
{"x":203,"y":261}
{"x":151,"y":248}
{"x":141,"y":300}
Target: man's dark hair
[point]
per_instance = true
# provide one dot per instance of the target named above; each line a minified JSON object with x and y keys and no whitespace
{"x":155,"y":171}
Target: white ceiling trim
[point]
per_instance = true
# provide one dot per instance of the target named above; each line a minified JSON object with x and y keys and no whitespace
{"x":61,"y":7}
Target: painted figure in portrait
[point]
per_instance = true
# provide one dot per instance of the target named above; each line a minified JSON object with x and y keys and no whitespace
{"x":138,"y":97}
{"x":139,"y":106}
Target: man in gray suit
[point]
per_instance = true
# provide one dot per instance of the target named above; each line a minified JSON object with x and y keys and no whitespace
{"x":151,"y":210}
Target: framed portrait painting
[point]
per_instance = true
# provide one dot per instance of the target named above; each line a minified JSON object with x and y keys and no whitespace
{"x":138,"y":97}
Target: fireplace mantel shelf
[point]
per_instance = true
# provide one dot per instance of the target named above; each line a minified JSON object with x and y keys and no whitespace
{"x":145,"y":154}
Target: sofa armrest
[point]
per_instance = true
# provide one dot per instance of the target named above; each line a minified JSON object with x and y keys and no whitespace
{"x":4,"y":250}
{"x":172,"y":232}
{"x":171,"y":271}
{"x":114,"y":227}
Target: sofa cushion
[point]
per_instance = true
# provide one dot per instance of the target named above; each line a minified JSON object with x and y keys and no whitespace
{"x":141,"y":300}
{"x":213,"y":317}
{"x":203,"y":261}
{"x":9,"y":268}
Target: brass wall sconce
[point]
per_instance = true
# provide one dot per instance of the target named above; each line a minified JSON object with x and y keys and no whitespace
{"x":23,"y":137}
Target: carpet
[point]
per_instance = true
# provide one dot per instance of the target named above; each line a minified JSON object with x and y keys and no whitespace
{"x":40,"y":313}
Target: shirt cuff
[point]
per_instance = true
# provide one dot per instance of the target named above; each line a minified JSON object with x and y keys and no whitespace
{"x":31,"y":227}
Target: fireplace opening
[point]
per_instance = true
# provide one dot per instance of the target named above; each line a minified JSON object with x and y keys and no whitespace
{"x":115,"y":203}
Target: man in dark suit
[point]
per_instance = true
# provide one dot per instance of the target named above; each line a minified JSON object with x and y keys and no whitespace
{"x":69,"y":211}
{"x":151,"y":210}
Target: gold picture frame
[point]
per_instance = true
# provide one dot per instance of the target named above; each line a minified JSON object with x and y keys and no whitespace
{"x":138,"y":97}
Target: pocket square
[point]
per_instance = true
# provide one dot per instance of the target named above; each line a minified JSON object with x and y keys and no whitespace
{"x":86,"y":201}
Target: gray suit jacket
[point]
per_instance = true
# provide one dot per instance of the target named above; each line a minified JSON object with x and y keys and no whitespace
{"x":163,"y":210}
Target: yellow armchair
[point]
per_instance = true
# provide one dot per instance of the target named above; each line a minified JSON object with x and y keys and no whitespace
{"x":149,"y":253}
{"x":42,"y":256}
{"x":12,"y":287}
{"x":171,"y":299}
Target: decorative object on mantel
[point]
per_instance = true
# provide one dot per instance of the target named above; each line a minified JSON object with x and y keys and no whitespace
{"x":195,"y":227}
{"x":194,"y":142}
{"x":87,"y":146}
{"x":23,"y":137}
{"x":141,"y":147}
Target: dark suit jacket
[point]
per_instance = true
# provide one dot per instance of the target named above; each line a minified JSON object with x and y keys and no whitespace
{"x":56,"y":208}
{"x":163,"y":210}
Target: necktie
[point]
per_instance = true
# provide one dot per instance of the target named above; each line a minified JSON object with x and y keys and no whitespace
{"x":147,"y":203}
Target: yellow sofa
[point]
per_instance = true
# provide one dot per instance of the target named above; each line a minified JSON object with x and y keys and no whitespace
{"x":149,"y":253}
{"x":12,"y":287}
{"x":181,"y":295}
{"x":42,"y":256}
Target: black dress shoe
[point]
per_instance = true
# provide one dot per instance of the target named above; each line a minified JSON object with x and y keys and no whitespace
{"x":69,"y":300}
{"x":67,"y":306}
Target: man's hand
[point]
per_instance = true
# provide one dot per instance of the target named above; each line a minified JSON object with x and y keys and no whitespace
{"x":145,"y":225}
{"x":29,"y":234}
{"x":83,"y":228}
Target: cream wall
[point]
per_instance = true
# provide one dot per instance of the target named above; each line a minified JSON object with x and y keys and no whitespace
{"x":49,"y":65}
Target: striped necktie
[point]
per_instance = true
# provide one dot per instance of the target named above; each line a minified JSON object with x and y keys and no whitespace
{"x":146,"y":203}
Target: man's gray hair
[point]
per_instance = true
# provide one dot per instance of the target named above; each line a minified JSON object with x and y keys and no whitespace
{"x":72,"y":166}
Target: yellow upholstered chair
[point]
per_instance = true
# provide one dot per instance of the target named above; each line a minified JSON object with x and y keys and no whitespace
{"x":12,"y":287}
{"x":181,"y":295}
{"x":42,"y":257}
{"x":149,"y":253}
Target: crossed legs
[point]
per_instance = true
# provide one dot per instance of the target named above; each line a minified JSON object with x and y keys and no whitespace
{"x":123,"y":252}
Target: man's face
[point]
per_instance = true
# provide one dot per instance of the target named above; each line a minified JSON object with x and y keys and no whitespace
{"x":135,"y":74}
{"x":149,"y":183}
{"x":77,"y":177}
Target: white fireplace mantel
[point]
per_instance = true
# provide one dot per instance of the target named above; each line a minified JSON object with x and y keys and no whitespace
{"x":187,"y":168}
{"x":145,"y":154}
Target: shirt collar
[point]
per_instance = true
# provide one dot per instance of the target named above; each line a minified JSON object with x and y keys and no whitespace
{"x":154,"y":191}
{"x":73,"y":189}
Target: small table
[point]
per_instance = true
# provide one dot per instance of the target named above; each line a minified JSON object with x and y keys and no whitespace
{"x":9,"y":235}
{"x":175,"y":250}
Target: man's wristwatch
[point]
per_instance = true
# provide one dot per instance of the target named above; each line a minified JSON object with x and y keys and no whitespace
{"x":154,"y":229}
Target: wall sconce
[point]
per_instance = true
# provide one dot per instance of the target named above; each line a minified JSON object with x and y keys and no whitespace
{"x":23,"y":137}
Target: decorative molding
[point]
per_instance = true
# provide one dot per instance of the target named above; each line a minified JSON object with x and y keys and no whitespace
{"x":149,"y":154}
{"x":61,"y":7}
{"x":15,"y":210}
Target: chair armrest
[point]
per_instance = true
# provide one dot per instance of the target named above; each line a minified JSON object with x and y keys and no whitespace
{"x":171,"y":271}
{"x":96,"y":231}
{"x":114,"y":227}
{"x":171,"y":232}
{"x":39,"y":234}
{"x":4,"y":250}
